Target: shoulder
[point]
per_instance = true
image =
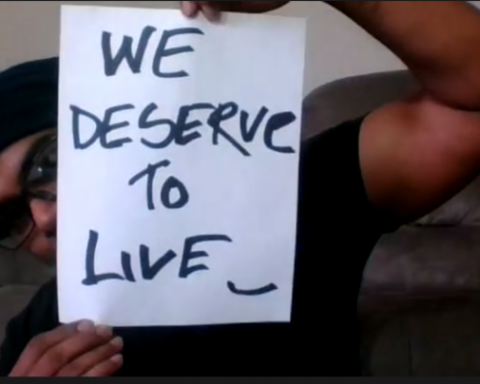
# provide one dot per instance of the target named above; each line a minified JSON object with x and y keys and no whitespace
{"x":39,"y":316}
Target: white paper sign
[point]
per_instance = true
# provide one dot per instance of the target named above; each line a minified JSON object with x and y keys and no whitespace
{"x":178,"y":166}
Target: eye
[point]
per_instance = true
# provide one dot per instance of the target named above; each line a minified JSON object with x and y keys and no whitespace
{"x":44,"y":169}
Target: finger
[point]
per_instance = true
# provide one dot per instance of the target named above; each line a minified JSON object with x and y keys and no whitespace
{"x":65,"y":352}
{"x":189,"y":8}
{"x":210,"y":10}
{"x":106,"y":368}
{"x":90,"y":360}
{"x":40,"y":344}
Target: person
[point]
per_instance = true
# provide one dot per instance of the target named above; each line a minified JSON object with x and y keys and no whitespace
{"x":358,"y":180}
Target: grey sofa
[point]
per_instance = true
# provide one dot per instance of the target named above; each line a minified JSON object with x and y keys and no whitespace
{"x":420,"y":303}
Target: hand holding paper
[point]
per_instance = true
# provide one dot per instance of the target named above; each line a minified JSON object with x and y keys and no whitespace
{"x":178,"y":154}
{"x":211,"y":9}
{"x":71,"y":350}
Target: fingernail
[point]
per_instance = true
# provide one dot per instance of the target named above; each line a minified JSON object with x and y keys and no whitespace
{"x":117,"y":359}
{"x":86,"y":326}
{"x":117,"y":342}
{"x":104,"y":331}
{"x":211,"y":15}
{"x":188,"y":8}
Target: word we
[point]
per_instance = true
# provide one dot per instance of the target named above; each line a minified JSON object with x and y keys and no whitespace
{"x":135,"y":60}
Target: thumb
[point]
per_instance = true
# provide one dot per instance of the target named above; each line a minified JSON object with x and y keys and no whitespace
{"x":189,"y":8}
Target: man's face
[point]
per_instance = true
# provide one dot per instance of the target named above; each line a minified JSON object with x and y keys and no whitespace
{"x":28,"y":195}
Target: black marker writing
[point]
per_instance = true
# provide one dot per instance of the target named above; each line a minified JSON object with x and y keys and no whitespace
{"x":184,"y":129}
{"x":102,"y":127}
{"x":224,"y":123}
{"x":251,"y":292}
{"x":135,"y":60}
{"x":189,"y":254}
{"x":149,"y":269}
{"x":91,"y":277}
{"x":170,"y":185}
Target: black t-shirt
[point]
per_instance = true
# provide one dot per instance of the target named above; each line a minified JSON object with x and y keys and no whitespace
{"x":337,"y":230}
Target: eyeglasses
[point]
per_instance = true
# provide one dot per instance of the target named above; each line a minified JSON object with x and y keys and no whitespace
{"x":39,"y":181}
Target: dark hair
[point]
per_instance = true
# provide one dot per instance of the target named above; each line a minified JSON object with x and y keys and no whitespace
{"x":28,"y":99}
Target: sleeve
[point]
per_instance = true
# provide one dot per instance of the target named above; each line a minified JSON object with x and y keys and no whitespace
{"x":331,"y":171}
{"x":38,"y":317}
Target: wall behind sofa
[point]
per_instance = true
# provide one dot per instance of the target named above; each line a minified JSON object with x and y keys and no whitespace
{"x":336,"y":47}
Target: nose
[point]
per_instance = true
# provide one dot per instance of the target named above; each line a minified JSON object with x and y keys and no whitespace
{"x":44,"y":214}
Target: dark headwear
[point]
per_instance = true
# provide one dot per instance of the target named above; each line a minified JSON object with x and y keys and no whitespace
{"x":28,"y":99}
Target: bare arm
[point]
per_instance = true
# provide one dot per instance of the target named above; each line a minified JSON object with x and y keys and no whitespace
{"x":439,"y":41}
{"x":417,"y":153}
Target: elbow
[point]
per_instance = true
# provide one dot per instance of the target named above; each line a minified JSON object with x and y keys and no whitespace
{"x":459,"y":88}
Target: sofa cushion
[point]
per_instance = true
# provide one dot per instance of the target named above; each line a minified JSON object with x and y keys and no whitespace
{"x":418,"y":262}
{"x":435,"y":338}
